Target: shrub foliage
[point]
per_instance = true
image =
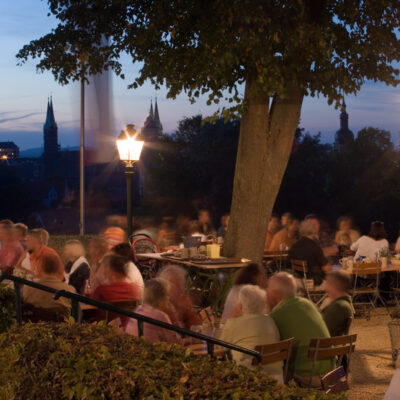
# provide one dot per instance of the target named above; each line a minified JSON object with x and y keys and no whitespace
{"x":71,"y":361}
{"x":7,"y":307}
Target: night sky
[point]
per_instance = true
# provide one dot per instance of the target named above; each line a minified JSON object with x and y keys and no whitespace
{"x":24,"y":93}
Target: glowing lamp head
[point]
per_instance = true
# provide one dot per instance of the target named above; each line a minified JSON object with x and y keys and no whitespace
{"x":129,"y":148}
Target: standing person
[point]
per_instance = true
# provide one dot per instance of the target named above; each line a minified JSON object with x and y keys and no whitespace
{"x":307,"y":249}
{"x":369,"y":246}
{"x":37,"y":250}
{"x":338,"y":312}
{"x":11,"y":249}
{"x":253,"y":328}
{"x":77,"y":269}
{"x":253,"y":274}
{"x":299,"y":318}
{"x":206,"y":226}
{"x":114,"y":235}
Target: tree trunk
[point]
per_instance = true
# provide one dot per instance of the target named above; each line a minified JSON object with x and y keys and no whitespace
{"x":265,"y":144}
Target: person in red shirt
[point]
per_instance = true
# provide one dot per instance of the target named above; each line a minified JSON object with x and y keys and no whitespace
{"x":11,"y":249}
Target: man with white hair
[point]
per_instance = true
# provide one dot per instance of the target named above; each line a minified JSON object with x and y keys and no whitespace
{"x":307,"y":249}
{"x":252,"y":329}
{"x":299,"y":318}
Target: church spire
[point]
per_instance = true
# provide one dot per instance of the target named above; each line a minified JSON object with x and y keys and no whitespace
{"x":151,"y":108}
{"x":344,"y":117}
{"x":157,"y":116}
{"x":50,"y":120}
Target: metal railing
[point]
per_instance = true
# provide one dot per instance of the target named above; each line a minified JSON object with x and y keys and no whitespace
{"x":77,"y":298}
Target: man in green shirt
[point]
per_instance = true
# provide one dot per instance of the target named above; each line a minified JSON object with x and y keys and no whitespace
{"x":338,"y":313}
{"x":299,"y":318}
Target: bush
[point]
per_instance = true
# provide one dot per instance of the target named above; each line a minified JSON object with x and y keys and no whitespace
{"x":71,"y":361}
{"x":7,"y":307}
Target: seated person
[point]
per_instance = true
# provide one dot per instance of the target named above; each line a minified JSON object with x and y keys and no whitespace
{"x":253,"y":274}
{"x":369,"y":246}
{"x":77,"y":269}
{"x":286,"y":237}
{"x":155,"y":297}
{"x":20,"y":232}
{"x":206,"y":226}
{"x":274,"y":225}
{"x":180,"y":308}
{"x":11,"y":249}
{"x":224,"y":226}
{"x":306,"y":249}
{"x":37,"y":248}
{"x":299,"y":318}
{"x":252,"y":329}
{"x":337,"y":313}
{"x":116,"y":287}
{"x":134,"y":275}
{"x":346,"y":235}
{"x":49,"y":276}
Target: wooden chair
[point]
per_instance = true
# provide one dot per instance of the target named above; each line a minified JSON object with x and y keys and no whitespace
{"x":366,"y":283}
{"x":338,"y":346}
{"x":301,"y":268}
{"x":38,"y":314}
{"x":276,"y":256}
{"x":274,"y":352}
{"x":335,"y":382}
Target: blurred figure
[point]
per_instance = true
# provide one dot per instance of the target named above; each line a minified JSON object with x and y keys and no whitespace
{"x":11,"y":249}
{"x":182,"y":225}
{"x":369,"y":246}
{"x":38,"y":250}
{"x":194,"y":230}
{"x":50,"y":276}
{"x":145,"y":227}
{"x":113,"y":236}
{"x":397,"y":245}
{"x":77,"y":269}
{"x":98,"y":275}
{"x":253,"y":328}
{"x":224,"y":226}
{"x":287,"y":236}
{"x":253,"y":274}
{"x":314,"y":220}
{"x":155,"y":299}
{"x":97,"y":249}
{"x":20,"y":232}
{"x":274,"y":226}
{"x":206,"y":226}
{"x":166,"y":234}
{"x":134,"y":275}
{"x":286,"y":219}
{"x":116,"y":286}
{"x":345,"y":232}
{"x":306,"y":249}
{"x":44,"y":235}
{"x":180,"y":309}
{"x":337,"y":313}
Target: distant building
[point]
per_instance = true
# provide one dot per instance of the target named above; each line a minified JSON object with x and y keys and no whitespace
{"x":9,"y":151}
{"x":344,"y":134}
{"x":152,"y":128}
{"x":50,"y":137}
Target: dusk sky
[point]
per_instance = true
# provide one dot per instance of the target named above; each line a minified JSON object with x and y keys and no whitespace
{"x":24,"y":93}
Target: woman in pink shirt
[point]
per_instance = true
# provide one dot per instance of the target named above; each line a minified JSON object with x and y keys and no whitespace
{"x":155,"y":297}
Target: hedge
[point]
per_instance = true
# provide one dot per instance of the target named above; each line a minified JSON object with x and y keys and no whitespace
{"x":7,"y":307}
{"x":71,"y":361}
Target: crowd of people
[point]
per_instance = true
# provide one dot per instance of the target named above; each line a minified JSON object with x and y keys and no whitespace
{"x":258,"y":309}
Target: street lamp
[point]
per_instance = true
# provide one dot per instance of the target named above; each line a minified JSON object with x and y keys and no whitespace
{"x":129,"y":150}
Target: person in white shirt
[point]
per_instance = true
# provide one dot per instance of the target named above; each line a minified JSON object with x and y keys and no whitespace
{"x":253,"y":328}
{"x":369,"y":246}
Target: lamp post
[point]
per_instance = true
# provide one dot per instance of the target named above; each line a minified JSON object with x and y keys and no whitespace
{"x":129,"y":150}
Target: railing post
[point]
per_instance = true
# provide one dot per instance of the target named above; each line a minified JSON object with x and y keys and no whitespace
{"x":18,"y":306}
{"x":140,"y":327}
{"x":210,"y":349}
{"x":75,"y":309}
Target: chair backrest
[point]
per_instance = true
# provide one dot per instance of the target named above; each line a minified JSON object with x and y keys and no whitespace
{"x":300,"y":266}
{"x":331,"y":347}
{"x":335,"y":382}
{"x":366,"y":268}
{"x":51,"y":314}
{"x":274,"y":352}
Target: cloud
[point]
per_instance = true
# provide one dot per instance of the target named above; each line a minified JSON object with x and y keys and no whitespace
{"x":3,"y":120}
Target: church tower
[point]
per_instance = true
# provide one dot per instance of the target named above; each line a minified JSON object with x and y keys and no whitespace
{"x":152,"y":127}
{"x":344,"y":134}
{"x":50,"y":133}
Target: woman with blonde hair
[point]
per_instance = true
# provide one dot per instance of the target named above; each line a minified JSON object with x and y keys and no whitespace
{"x":77,"y":269}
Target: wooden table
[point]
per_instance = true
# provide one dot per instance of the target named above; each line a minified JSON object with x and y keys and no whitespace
{"x":389,"y":268}
{"x":227,"y":264}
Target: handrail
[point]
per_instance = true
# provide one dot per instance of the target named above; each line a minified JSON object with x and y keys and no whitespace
{"x":77,"y":298}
